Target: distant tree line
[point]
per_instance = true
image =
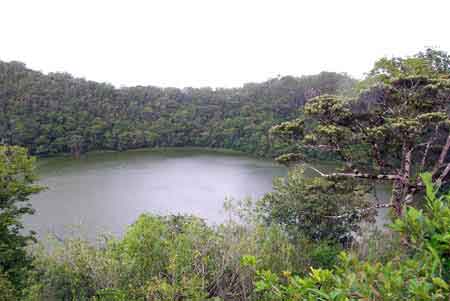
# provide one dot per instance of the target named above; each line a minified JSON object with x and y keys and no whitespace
{"x":295,"y":243}
{"x":57,"y":113}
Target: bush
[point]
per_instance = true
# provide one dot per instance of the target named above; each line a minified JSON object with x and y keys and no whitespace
{"x":315,"y":209}
{"x":183,"y":258}
{"x":170,"y":258}
{"x":7,"y":291}
{"x":420,"y":271}
{"x":161,"y":258}
{"x":17,"y":185}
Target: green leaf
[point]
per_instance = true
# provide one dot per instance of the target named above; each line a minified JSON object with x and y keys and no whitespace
{"x":440,"y":282}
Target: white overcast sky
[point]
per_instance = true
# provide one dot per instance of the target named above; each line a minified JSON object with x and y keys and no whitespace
{"x":215,"y":43}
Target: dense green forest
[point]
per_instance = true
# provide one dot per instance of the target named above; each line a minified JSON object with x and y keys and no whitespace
{"x":57,"y":113}
{"x":309,"y":239}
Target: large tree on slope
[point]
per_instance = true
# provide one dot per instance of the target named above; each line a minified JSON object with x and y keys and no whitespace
{"x":395,"y":129}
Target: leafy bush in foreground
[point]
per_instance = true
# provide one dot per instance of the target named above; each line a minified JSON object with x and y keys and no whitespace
{"x":183,"y":258}
{"x":420,"y":272}
{"x":160,"y":258}
{"x":17,"y":185}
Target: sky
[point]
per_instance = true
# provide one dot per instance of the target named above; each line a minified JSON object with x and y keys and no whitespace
{"x":226,"y":43}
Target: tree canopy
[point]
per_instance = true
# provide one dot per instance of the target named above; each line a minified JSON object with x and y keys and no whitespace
{"x":393,"y":127}
{"x":57,"y":113}
{"x":17,"y":177}
{"x":396,"y":128}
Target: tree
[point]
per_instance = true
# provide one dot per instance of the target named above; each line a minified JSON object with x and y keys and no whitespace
{"x":17,"y":177}
{"x":57,"y":113}
{"x":396,"y":128}
{"x":419,"y":269}
{"x":438,"y":59}
{"x":306,"y":206}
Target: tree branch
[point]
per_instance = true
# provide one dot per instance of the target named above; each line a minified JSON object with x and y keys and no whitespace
{"x":425,"y":152}
{"x":443,"y":155}
{"x":355,"y":175}
{"x":376,"y":153}
{"x":443,"y":175}
{"x":363,"y":210}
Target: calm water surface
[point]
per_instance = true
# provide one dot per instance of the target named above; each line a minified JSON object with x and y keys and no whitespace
{"x":108,"y":191}
{"x":105,"y":192}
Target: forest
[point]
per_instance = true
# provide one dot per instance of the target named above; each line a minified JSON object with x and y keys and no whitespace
{"x":308,"y":239}
{"x":56,"y":113}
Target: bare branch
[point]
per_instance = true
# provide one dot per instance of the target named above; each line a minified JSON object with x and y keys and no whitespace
{"x":376,"y":153}
{"x":443,"y":175}
{"x":363,"y":210}
{"x":425,"y":154}
{"x":320,"y":147}
{"x":356,"y":175}
{"x":443,"y":155}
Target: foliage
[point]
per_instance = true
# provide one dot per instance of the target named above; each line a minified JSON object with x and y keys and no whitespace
{"x":393,"y":130}
{"x":56,"y":113}
{"x":428,"y":230}
{"x":7,"y":290}
{"x":17,"y":177}
{"x":419,"y":272}
{"x":316,"y":209}
{"x":161,"y":258}
{"x":285,"y":246}
{"x":430,"y":63}
{"x":172,"y":258}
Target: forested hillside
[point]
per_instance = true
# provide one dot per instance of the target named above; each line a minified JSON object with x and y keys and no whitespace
{"x":308,"y":239}
{"x":57,"y":113}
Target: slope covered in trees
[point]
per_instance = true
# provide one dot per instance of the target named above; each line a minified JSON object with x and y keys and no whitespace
{"x":57,"y":113}
{"x":396,"y":127}
{"x":297,"y":242}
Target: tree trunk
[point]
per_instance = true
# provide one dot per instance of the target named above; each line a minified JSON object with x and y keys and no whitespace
{"x":397,"y":198}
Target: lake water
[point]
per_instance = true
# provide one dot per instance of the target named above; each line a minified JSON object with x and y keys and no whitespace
{"x":105,"y":192}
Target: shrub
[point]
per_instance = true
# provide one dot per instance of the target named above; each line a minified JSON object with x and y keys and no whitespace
{"x":419,"y":272}
{"x":7,"y":291}
{"x":315,"y":209}
{"x":17,"y":185}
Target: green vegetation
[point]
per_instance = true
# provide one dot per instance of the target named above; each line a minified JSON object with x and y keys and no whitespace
{"x":419,"y":270}
{"x":303,"y":241}
{"x":182,"y":258}
{"x":159,"y":258}
{"x":306,"y":207}
{"x":57,"y":113}
{"x":396,"y":128}
{"x":17,"y":179}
